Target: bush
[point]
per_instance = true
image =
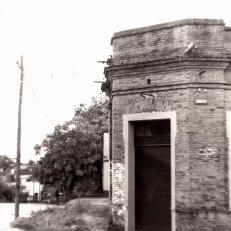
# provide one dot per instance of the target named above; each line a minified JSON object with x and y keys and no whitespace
{"x":23,"y":223}
{"x":6,"y":193}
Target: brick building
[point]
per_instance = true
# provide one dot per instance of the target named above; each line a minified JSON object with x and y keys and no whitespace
{"x":170,"y":90}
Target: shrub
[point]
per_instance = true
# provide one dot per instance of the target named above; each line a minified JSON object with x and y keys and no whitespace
{"x":23,"y":223}
{"x":6,"y":192}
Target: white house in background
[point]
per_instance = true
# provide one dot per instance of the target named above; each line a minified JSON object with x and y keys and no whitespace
{"x":106,"y":164}
{"x":32,"y":187}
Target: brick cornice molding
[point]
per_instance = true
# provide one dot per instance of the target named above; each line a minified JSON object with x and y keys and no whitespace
{"x":172,"y":87}
{"x":173,"y":63}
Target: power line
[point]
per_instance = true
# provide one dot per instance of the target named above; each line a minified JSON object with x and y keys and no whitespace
{"x":44,"y":114}
{"x":31,"y":88}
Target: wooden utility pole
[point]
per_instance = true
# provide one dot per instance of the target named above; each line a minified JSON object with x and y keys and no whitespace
{"x":18,"y":162}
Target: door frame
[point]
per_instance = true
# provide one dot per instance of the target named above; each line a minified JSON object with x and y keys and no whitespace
{"x":129,"y":149}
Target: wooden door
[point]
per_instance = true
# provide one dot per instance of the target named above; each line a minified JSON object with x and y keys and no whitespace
{"x":152,"y":176}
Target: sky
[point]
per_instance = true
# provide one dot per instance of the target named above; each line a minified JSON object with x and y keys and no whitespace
{"x":61,"y":42}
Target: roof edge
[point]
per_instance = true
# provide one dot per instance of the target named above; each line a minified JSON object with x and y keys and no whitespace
{"x":161,"y":26}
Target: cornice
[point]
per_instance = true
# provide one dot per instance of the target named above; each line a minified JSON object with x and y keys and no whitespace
{"x":121,"y":74}
{"x":171,"y":87}
{"x":171,"y":63}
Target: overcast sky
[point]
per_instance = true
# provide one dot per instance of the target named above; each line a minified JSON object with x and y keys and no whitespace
{"x":61,"y":42}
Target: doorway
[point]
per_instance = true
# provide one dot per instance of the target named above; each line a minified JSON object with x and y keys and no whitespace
{"x":163,"y":147}
{"x":152,"y":175}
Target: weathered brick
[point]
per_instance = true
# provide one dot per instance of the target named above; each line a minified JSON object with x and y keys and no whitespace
{"x":197,"y":86}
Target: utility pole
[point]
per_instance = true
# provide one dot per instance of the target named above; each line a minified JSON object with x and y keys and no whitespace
{"x":18,"y":162}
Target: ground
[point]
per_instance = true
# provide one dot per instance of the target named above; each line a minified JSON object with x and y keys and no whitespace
{"x":76,"y":215}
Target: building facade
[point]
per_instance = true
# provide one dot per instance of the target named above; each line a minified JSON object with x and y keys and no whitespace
{"x":170,"y":92}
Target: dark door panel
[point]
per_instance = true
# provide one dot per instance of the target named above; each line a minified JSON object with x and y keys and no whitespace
{"x":152,"y":187}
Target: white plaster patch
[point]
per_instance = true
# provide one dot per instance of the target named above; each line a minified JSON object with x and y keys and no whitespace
{"x":207,"y":152}
{"x":118,"y":183}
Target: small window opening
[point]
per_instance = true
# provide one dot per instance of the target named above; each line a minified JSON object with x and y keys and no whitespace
{"x":148,"y":81}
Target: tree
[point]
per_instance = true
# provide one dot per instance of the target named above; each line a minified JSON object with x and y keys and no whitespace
{"x":7,"y":189}
{"x":5,"y":163}
{"x":74,"y":151}
{"x":29,"y":168}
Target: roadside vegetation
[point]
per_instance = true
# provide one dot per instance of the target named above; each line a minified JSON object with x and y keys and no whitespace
{"x":7,"y":185}
{"x":76,"y":215}
{"x":71,"y":157}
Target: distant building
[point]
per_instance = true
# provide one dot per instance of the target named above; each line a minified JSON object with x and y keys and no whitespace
{"x":106,"y":164}
{"x":33,"y":187}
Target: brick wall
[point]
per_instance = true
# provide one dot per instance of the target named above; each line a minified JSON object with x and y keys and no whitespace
{"x":195,"y":85}
{"x":169,"y":40}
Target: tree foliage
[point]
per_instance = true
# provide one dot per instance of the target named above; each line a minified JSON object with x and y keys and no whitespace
{"x":74,"y":151}
{"x":7,"y":187}
{"x":6,"y":163}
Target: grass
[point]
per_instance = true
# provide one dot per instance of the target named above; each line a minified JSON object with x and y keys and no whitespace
{"x":76,"y":215}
